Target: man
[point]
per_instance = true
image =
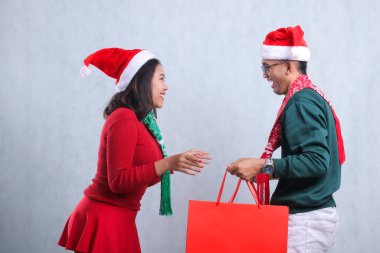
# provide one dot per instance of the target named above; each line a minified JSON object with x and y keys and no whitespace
{"x":308,"y":131}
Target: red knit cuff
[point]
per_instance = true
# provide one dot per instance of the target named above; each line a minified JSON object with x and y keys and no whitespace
{"x":151,"y":171}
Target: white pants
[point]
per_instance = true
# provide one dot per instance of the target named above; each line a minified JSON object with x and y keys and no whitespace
{"x":312,"y":232}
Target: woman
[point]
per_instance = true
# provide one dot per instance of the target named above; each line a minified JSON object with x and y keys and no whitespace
{"x":131,"y":157}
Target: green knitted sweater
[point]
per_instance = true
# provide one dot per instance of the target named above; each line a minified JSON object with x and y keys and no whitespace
{"x":309,"y":170}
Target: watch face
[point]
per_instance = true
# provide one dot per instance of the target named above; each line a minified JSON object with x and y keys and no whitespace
{"x":268,"y":169}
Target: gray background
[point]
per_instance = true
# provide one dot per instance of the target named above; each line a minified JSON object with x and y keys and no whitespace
{"x":50,"y":118}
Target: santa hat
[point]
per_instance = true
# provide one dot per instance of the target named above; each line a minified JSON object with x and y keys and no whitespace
{"x":285,"y":44}
{"x":117,"y":63}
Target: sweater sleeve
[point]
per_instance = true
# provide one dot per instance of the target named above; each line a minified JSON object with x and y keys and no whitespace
{"x":305,"y":132}
{"x":123,"y":177}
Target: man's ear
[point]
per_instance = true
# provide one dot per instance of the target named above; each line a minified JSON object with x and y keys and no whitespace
{"x":289,"y":67}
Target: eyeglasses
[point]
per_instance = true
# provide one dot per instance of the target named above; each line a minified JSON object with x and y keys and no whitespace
{"x":266,"y":67}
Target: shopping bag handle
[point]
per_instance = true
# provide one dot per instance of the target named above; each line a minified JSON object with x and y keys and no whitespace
{"x":251,"y":188}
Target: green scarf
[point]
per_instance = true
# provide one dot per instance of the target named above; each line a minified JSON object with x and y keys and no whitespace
{"x":165,"y":204}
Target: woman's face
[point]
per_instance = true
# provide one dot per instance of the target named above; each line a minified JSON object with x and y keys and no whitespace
{"x":159,"y":87}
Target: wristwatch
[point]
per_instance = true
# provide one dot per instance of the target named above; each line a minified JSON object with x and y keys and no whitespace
{"x":268,"y":167}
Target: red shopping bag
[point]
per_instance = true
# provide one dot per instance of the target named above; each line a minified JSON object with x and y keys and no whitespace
{"x":236,"y":228}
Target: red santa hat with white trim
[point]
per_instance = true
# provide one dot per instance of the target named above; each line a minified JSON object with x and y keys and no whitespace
{"x":117,"y":63}
{"x":285,"y":44}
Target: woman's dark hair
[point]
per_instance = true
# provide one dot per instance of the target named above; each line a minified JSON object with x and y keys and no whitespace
{"x":138,"y":94}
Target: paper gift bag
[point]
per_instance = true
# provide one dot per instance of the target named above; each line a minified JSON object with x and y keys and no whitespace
{"x":236,"y":228}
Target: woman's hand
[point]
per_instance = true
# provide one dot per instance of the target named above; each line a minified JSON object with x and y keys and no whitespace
{"x":190,"y":162}
{"x":246,"y":168}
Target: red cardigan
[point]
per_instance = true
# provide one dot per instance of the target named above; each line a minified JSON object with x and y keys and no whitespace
{"x":126,"y":157}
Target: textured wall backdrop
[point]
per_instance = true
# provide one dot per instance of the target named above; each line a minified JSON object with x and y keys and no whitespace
{"x":50,"y":118}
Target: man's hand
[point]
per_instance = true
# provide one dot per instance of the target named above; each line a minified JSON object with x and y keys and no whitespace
{"x":246,"y":168}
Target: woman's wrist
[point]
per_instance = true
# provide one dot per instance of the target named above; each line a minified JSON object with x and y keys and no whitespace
{"x":162,"y":166}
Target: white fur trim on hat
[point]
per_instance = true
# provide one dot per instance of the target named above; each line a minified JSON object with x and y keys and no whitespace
{"x":285,"y":53}
{"x":85,"y":71}
{"x":133,"y":66}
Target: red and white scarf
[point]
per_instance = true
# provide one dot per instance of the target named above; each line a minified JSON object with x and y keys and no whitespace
{"x":274,"y":140}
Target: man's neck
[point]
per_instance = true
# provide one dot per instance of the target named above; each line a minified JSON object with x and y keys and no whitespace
{"x":291,"y":80}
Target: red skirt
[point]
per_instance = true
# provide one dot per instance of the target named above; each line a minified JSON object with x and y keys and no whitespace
{"x":98,"y":227}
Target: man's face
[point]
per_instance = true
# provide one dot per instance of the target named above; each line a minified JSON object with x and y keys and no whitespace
{"x":275,"y":72}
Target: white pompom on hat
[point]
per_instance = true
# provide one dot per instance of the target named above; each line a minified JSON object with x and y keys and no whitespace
{"x":285,"y":44}
{"x":117,"y":63}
